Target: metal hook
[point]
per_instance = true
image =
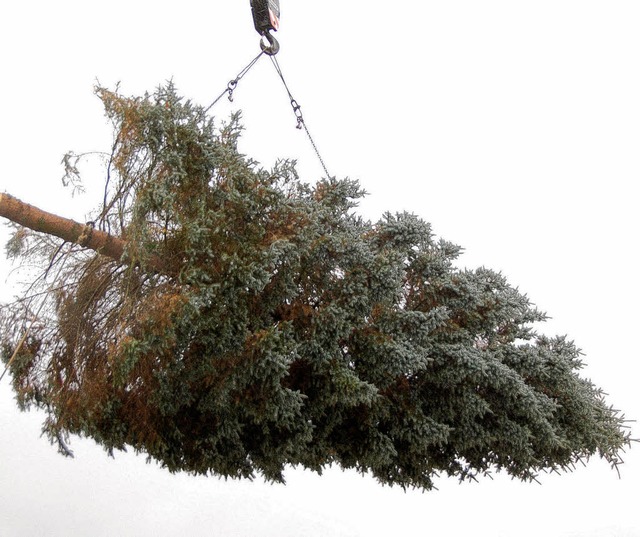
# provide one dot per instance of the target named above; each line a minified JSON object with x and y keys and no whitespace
{"x":297,"y":110}
{"x":230,"y":87}
{"x":273,"y":47}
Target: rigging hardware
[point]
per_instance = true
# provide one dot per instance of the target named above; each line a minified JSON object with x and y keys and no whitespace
{"x":266,"y":18}
{"x":297,"y":110}
{"x":231,"y":86}
{"x":266,"y":15}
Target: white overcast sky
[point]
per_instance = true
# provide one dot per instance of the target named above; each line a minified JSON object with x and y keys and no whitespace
{"x":512,"y":126}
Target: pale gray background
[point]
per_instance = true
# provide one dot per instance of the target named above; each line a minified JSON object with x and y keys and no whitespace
{"x":514,"y":127}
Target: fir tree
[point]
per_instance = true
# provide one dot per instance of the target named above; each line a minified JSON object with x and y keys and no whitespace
{"x":222,"y":318}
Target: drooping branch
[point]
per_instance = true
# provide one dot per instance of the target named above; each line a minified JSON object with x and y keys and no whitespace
{"x":69,"y":230}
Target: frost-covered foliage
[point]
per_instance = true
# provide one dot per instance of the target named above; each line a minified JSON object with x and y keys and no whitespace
{"x":283,"y":329}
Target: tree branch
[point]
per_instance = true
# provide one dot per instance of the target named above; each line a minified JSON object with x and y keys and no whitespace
{"x":64,"y":228}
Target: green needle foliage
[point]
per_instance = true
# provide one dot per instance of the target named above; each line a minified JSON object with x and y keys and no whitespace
{"x":283,"y":329}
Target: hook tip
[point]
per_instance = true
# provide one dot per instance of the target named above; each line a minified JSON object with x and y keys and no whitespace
{"x":272,"y":47}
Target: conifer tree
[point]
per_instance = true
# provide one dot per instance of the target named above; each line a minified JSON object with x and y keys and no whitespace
{"x":226,"y":319}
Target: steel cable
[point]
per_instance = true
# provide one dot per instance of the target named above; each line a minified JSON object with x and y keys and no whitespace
{"x":297,"y":110}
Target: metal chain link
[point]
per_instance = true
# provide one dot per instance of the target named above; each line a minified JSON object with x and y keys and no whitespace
{"x":297,"y":110}
{"x":231,"y":86}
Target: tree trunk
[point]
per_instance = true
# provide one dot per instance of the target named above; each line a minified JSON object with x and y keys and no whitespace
{"x":69,"y":230}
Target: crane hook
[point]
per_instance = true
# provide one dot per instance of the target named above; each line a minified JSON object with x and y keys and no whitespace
{"x":272,"y":46}
{"x":266,"y":18}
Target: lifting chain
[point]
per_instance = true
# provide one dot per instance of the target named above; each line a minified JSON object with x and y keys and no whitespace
{"x":266,"y":18}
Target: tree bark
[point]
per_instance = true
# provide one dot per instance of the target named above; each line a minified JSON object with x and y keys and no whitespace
{"x":69,"y":230}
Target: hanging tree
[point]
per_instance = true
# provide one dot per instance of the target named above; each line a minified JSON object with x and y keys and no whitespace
{"x":226,"y":319}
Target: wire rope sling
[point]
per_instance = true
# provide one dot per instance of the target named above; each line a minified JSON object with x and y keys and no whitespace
{"x":266,"y":19}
